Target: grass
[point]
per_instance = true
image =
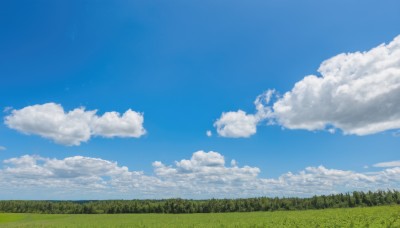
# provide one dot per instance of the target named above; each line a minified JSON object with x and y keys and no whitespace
{"x":383,"y":216}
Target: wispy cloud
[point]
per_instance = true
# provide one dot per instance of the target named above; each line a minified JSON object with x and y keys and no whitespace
{"x":387,"y":164}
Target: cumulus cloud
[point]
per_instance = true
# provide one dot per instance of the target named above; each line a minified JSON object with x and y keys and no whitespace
{"x":240,"y":124}
{"x":204,"y":175}
{"x":111,"y":124}
{"x":355,"y":92}
{"x":209,"y":133}
{"x":70,"y":174}
{"x":320,"y":180}
{"x":78,"y":125}
{"x":236,"y":124}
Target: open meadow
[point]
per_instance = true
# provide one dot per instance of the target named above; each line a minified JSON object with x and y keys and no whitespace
{"x":381,"y":216}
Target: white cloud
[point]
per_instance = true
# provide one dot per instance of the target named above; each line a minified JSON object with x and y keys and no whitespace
{"x":111,"y":124}
{"x":204,"y":175}
{"x":355,"y":92}
{"x":240,"y":124}
{"x":236,"y":124}
{"x":71,"y":128}
{"x":209,"y":133}
{"x":320,"y":180}
{"x":3,"y":148}
{"x":387,"y":164}
{"x":70,"y":174}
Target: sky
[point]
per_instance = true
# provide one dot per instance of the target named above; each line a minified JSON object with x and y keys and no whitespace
{"x":198,"y":99}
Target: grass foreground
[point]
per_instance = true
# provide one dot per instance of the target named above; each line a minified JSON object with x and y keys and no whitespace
{"x":381,"y":216}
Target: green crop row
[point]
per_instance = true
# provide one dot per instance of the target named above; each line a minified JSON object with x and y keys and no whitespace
{"x":382,"y":216}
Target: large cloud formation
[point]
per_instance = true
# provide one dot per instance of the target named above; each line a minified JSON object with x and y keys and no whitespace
{"x":204,"y":175}
{"x":357,"y":93}
{"x":71,"y":128}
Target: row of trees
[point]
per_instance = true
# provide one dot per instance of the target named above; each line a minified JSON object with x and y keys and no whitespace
{"x":354,"y":199}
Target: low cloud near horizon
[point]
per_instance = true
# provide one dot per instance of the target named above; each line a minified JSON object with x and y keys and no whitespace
{"x":387,"y":164}
{"x":76,"y":126}
{"x":357,"y":93}
{"x":204,"y":175}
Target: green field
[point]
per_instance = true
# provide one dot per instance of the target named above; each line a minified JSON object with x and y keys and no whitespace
{"x":384,"y":216}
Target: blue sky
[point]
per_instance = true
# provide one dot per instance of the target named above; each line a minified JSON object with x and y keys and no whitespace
{"x":182,"y":64}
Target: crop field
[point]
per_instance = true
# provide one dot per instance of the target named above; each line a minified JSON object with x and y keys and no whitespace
{"x":383,"y":216}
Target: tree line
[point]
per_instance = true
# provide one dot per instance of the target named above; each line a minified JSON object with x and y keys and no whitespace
{"x":346,"y":200}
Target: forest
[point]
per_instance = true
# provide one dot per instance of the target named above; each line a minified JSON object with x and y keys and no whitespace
{"x":178,"y":206}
